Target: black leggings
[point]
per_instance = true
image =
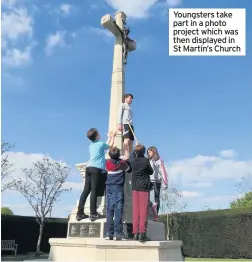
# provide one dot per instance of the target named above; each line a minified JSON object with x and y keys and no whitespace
{"x":157,"y":189}
{"x":92,"y":180}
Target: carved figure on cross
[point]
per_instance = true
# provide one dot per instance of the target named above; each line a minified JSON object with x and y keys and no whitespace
{"x":126,"y":41}
{"x":119,"y":29}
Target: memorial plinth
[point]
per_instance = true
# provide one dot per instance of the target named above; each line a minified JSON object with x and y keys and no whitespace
{"x":86,"y":228}
{"x":108,"y":250}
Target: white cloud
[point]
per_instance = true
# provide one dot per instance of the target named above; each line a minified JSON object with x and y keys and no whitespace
{"x":221,"y":199}
{"x":15,"y":200}
{"x":133,"y":8}
{"x":227,"y":153}
{"x":22,"y":160}
{"x":65,"y":9}
{"x":74,"y":185}
{"x":16,"y":23}
{"x":15,"y":57}
{"x":207,"y":169}
{"x":55,"y":40}
{"x":17,"y":28}
{"x":200,"y":184}
{"x":190,"y":194}
{"x":21,"y":209}
{"x":100,"y":32}
{"x":139,"y":8}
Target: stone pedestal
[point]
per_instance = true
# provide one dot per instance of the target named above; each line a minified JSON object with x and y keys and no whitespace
{"x":63,"y":249}
{"x":86,"y":228}
{"x":97,"y":229}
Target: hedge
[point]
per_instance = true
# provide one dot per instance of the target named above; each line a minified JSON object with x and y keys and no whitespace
{"x":206,"y":234}
{"x":214,"y":234}
{"x":25,"y":231}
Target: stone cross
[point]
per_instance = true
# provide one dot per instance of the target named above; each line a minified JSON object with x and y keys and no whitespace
{"x":122,"y":45}
{"x":117,"y":27}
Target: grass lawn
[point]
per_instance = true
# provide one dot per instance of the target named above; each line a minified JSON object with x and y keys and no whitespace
{"x":215,"y":259}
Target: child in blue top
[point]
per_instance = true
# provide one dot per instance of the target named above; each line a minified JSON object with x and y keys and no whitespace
{"x":94,"y":173}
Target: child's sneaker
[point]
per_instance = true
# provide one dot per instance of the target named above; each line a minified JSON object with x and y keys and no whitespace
{"x":135,"y":236}
{"x":119,"y":238}
{"x":96,"y":216}
{"x":143,"y":237}
{"x":108,"y":238}
{"x":81,"y":216}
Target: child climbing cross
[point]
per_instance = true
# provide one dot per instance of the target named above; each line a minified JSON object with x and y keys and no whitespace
{"x":125,"y":124}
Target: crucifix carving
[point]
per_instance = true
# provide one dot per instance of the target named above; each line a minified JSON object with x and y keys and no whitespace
{"x":123,"y":45}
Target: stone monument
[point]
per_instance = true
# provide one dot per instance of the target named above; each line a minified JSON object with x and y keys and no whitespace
{"x":85,"y":239}
{"x":121,"y":47}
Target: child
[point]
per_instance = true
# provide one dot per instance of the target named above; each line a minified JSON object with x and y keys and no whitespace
{"x":94,"y":172}
{"x":141,"y":185}
{"x":125,"y":118}
{"x":157,"y":177}
{"x":116,"y":168}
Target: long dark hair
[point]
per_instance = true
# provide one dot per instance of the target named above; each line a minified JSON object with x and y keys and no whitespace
{"x":155,"y":151}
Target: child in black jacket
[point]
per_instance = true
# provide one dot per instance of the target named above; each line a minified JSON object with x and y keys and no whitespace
{"x":141,"y":186}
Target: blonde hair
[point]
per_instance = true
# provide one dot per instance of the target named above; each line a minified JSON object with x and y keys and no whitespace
{"x":155,"y":151}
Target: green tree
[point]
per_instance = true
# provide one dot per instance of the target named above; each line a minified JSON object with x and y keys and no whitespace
{"x":6,"y":211}
{"x":243,"y":202}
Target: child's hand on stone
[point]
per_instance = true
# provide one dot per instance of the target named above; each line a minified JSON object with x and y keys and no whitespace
{"x":110,"y":134}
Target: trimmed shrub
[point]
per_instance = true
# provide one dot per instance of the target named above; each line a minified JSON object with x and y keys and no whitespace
{"x":214,"y":234}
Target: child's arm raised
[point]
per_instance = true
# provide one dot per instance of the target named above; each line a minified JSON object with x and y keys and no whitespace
{"x":120,"y":117}
{"x":111,"y":138}
{"x":125,"y":166}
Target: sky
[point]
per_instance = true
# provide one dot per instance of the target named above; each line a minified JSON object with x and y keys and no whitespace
{"x":56,"y":79}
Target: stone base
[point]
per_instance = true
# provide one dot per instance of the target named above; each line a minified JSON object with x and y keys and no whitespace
{"x":97,"y":229}
{"x":79,"y":249}
{"x":156,"y":231}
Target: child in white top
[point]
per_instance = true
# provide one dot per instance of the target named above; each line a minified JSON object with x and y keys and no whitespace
{"x":157,"y":178}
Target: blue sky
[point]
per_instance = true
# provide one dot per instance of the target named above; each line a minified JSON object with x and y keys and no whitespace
{"x":56,"y":78}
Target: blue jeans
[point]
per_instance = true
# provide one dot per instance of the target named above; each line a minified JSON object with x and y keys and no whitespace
{"x":114,"y":206}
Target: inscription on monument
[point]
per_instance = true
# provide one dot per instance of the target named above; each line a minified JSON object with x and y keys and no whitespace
{"x":84,"y":230}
